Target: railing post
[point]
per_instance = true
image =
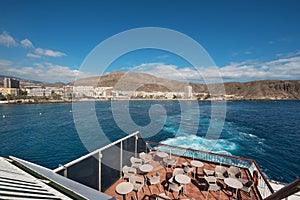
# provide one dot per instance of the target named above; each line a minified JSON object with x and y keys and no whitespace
{"x":65,"y":171}
{"x":121,"y":158}
{"x":99,"y":158}
{"x":136,"y":145}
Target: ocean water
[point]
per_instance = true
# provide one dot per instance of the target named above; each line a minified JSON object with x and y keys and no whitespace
{"x":53,"y":134}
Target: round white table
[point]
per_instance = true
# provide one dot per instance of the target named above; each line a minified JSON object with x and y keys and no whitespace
{"x":183,"y":179}
{"x":124,"y":188}
{"x":162,"y":154}
{"x":196,"y":163}
{"x":146,"y":168}
{"x":233,"y":183}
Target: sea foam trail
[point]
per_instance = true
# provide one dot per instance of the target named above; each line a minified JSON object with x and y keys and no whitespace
{"x":221,"y":146}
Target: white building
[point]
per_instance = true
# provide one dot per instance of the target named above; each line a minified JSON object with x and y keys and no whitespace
{"x":188,"y":92}
{"x":102,"y":92}
{"x":38,"y":92}
{"x":83,"y":91}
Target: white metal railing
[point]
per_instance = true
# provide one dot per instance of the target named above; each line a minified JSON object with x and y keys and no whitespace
{"x":61,"y":167}
{"x":99,"y":155}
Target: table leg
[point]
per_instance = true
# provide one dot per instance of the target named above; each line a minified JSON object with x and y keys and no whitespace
{"x":236,"y":194}
{"x":145,"y":180}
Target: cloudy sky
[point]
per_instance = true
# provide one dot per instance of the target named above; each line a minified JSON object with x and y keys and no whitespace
{"x":247,"y":40}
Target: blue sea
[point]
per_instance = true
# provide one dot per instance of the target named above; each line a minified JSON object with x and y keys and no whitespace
{"x":49,"y":134}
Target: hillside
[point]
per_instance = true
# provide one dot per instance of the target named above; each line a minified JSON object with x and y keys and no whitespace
{"x":23,"y":82}
{"x":266,"y":89}
{"x":133,"y":81}
{"x":255,"y":90}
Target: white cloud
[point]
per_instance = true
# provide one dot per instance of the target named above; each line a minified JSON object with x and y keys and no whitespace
{"x":32,"y":55}
{"x":164,"y":56}
{"x":5,"y":63}
{"x":46,"y":72}
{"x":48,"y":52}
{"x":283,"y":68}
{"x":26,"y":43}
{"x":7,"y":40}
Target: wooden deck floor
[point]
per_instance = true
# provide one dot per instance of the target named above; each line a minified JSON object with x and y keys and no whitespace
{"x":197,"y":189}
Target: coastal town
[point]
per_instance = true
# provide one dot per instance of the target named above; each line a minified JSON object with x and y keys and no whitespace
{"x":14,"y":90}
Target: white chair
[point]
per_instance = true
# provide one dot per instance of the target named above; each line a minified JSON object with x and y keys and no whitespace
{"x":234,"y":172}
{"x":247,"y":185}
{"x":177,"y":171}
{"x":212,"y":185}
{"x":170,"y":162}
{"x":221,"y":172}
{"x":208,"y":172}
{"x":128,"y":171}
{"x":138,"y":184}
{"x":136,"y":162}
{"x":154,"y":180}
{"x":186,"y":168}
{"x":174,"y":187}
{"x":145,"y":157}
{"x":162,"y":196}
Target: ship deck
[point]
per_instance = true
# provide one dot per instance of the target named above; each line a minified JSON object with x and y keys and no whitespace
{"x":196,"y":189}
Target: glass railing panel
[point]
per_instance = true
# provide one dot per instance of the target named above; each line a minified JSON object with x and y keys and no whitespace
{"x":110,"y":166}
{"x":85,"y":172}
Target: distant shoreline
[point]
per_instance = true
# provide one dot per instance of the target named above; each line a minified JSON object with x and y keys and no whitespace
{"x":107,"y":100}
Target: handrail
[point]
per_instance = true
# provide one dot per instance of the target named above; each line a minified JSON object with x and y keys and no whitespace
{"x":263,"y":176}
{"x":200,"y":151}
{"x":222,"y":155}
{"x":286,"y":191}
{"x":94,"y":152}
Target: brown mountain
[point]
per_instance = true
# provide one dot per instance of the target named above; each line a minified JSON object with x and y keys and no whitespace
{"x":266,"y":89}
{"x":132,"y":81}
{"x":255,"y":90}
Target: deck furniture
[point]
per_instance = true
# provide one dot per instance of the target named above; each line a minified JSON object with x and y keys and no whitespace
{"x":208,"y":172}
{"x":136,"y":162}
{"x":162,"y":196}
{"x":138,"y":183}
{"x":161,"y":154}
{"x":183,"y":180}
{"x":174,"y":187}
{"x":154,"y":180}
{"x":186,"y":168}
{"x":170,"y":162}
{"x":221,"y":172}
{"x":234,"y":172}
{"x":145,"y":157}
{"x":177,"y":171}
{"x":212,"y":185}
{"x":124,"y":188}
{"x":233,"y":183}
{"x":128,"y":171}
{"x":247,"y":185}
{"x":196,"y":164}
{"x":145,"y":169}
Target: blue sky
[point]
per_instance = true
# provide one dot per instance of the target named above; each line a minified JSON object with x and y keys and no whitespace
{"x":248,"y":40}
